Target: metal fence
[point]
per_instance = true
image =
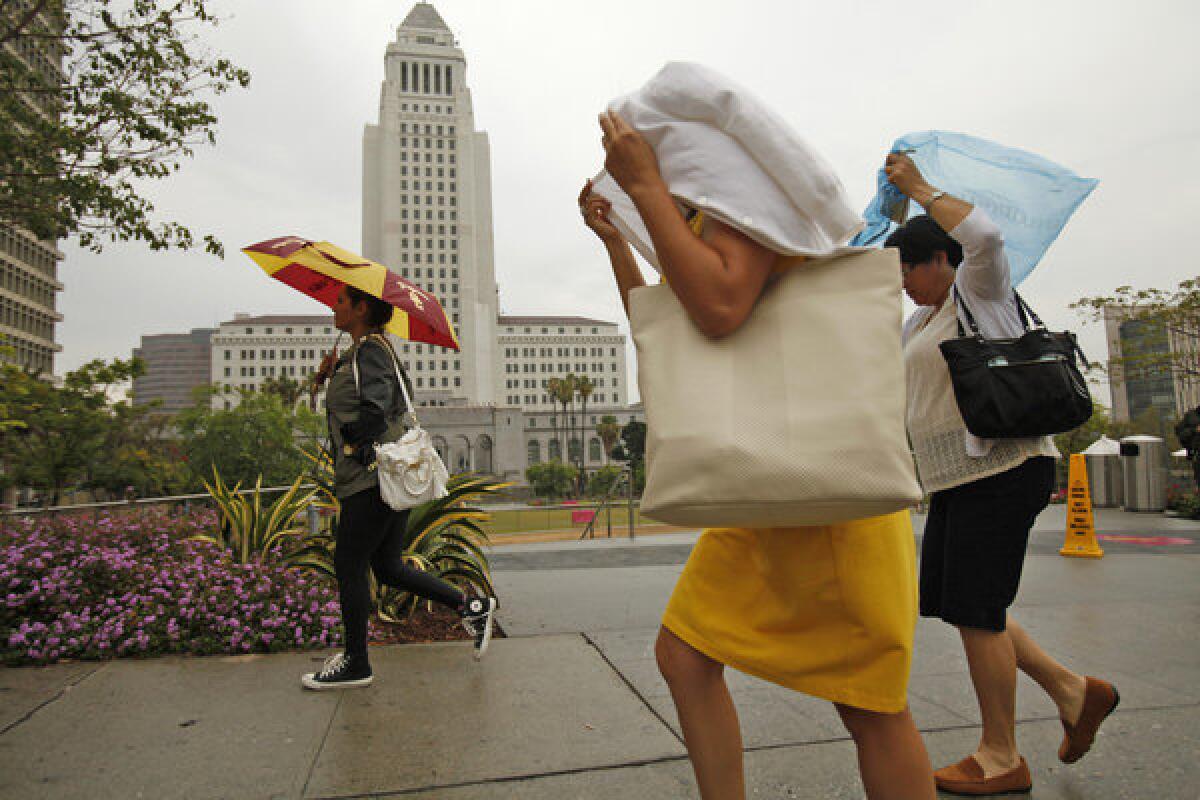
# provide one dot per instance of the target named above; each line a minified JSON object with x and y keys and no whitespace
{"x":177,"y":502}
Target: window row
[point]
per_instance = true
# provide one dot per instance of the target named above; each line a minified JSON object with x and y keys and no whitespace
{"x":436,"y":110}
{"x":27,"y":251}
{"x":30,"y":355}
{"x":430,"y":144}
{"x":547,"y":330}
{"x":16,"y":280}
{"x":416,"y":273}
{"x":428,"y":172}
{"x":441,"y":158}
{"x":441,"y":229}
{"x":416,"y":259}
{"x":416,"y":200}
{"x":31,"y":321}
{"x":545,"y":400}
{"x":422,"y":78}
{"x":578,"y":367}
{"x":269,"y":355}
{"x":441,"y":215}
{"x":441,"y":186}
{"x":271,"y":331}
{"x":547,"y":352}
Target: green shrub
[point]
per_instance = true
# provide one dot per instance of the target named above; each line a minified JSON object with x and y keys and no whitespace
{"x":603,"y":480}
{"x":551,"y":479}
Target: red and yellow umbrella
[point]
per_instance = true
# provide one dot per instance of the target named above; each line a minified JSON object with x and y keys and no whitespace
{"x":321,"y":269}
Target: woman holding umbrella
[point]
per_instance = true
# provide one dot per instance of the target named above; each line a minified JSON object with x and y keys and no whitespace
{"x":361,"y":413}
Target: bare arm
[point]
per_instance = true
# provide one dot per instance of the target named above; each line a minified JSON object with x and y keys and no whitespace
{"x":625,"y":268}
{"x":717,"y":279}
{"x":985,"y":269}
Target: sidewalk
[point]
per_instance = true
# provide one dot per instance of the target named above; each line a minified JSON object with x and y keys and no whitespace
{"x":571,"y":706}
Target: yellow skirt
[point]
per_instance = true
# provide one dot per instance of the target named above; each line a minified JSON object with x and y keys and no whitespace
{"x":829,"y":611}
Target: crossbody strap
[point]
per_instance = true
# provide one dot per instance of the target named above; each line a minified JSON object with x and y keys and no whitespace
{"x":412,"y":408}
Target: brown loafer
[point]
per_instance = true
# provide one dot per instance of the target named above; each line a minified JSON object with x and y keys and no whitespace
{"x":1099,"y":700}
{"x":966,"y":778}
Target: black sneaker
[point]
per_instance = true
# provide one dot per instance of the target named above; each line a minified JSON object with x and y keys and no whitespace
{"x":340,"y":672}
{"x":479,"y":614}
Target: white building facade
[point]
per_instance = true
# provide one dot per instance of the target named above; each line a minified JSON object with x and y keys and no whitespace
{"x":535,"y":349}
{"x":427,"y":203}
{"x":247,"y":350}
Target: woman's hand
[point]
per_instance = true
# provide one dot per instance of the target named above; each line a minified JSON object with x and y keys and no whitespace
{"x":629,"y":157}
{"x":595,"y":209}
{"x":905,"y":176}
{"x":324,"y":371}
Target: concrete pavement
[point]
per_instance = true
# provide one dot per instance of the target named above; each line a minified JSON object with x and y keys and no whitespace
{"x":571,"y":705}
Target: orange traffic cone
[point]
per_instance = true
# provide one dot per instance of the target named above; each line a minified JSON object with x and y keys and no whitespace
{"x":1081,"y":530}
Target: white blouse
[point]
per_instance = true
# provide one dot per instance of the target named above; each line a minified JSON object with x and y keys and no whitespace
{"x":947,"y":454}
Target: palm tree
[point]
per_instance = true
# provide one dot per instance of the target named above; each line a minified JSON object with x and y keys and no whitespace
{"x":609,"y":431}
{"x":570,"y":384}
{"x":585,"y":386}
{"x":289,"y":390}
{"x":554,"y":391}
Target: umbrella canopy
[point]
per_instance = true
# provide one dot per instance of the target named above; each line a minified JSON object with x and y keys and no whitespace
{"x":321,"y":269}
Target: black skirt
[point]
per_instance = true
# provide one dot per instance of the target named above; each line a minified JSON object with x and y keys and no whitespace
{"x":974,"y":544}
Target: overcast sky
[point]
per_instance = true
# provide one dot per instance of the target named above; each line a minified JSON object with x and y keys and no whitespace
{"x":1108,"y":89}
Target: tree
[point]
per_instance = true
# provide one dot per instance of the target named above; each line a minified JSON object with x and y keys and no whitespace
{"x":551,"y":479}
{"x":553,"y":391}
{"x":1161,"y":330}
{"x":258,"y":436}
{"x":584,"y":387}
{"x":633,"y":444}
{"x":288,"y":390}
{"x":98,"y":96}
{"x":609,"y":431}
{"x":1077,"y":440}
{"x":66,"y":433}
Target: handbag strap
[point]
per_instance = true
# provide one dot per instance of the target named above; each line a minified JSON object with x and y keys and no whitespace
{"x":412,"y":409}
{"x":1023,"y":311}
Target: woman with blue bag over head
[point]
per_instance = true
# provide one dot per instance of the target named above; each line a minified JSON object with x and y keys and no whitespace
{"x":366,"y":409}
{"x":775,"y":603}
{"x":986,"y":494}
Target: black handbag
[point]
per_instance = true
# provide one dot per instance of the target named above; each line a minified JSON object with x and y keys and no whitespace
{"x":1017,"y":388}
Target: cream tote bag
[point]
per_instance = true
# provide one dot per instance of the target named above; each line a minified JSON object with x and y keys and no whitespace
{"x":795,"y":419}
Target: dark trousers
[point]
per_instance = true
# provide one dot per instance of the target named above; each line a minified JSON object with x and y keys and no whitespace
{"x":370,"y":535}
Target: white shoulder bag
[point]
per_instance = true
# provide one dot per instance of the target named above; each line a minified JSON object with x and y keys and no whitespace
{"x":410,"y":470}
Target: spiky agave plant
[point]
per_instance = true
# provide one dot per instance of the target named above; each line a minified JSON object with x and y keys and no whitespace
{"x":445,"y":538}
{"x":251,"y":529}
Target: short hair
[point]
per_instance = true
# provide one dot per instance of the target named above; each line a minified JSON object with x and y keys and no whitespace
{"x":921,"y":237}
{"x":379,"y":312}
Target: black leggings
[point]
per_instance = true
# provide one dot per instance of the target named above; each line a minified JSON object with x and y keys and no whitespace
{"x":371,"y":534}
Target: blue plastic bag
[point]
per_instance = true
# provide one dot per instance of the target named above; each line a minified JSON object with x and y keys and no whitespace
{"x":1028,"y":197}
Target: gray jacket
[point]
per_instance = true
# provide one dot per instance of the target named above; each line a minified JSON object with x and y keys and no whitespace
{"x":360,"y":416}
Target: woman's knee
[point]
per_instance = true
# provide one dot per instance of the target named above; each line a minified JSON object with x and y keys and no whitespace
{"x":862,"y":723}
{"x":680,"y":663}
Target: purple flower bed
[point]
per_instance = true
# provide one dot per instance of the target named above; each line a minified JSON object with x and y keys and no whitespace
{"x":133,"y":585}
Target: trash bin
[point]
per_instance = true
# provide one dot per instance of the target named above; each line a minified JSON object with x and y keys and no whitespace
{"x":1144,"y":461}
{"x":1106,"y":479}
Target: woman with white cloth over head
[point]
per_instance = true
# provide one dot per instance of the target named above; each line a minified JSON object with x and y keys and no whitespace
{"x":827,"y":610}
{"x":985,"y":494}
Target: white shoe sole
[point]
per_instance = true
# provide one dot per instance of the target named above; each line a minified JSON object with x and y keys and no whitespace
{"x":310,"y":681}
{"x":487,"y":632}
